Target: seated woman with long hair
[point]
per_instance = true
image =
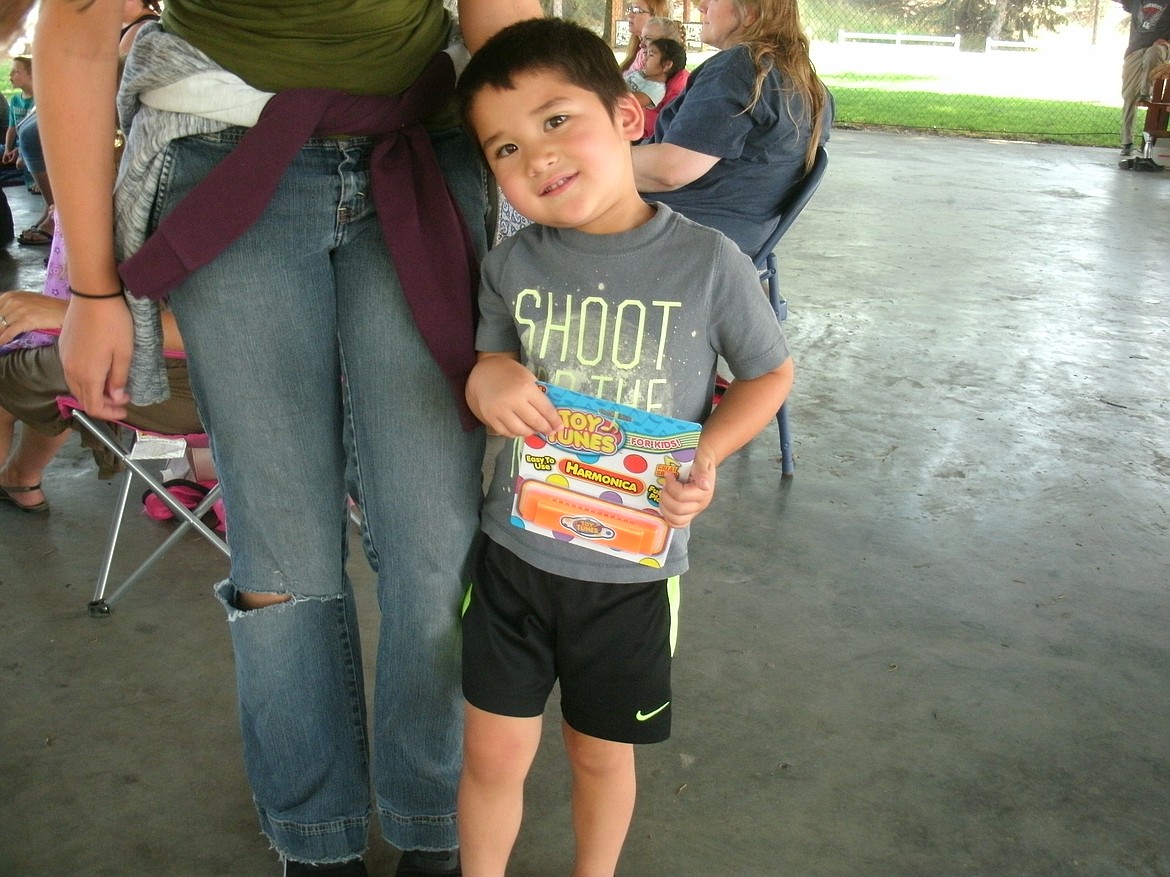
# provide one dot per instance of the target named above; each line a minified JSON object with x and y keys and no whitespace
{"x":746,"y":129}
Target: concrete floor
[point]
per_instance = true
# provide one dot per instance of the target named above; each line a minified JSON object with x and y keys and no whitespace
{"x":940,"y":649}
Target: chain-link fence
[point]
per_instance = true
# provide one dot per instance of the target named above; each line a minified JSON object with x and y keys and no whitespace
{"x":1022,"y":69}
{"x":1047,"y":70}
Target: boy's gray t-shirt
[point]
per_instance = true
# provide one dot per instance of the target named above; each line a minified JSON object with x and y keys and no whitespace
{"x":639,"y":318}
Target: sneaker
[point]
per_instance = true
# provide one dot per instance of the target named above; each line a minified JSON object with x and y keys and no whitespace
{"x":1127,"y":150}
{"x":429,"y":863}
{"x":352,"y":868}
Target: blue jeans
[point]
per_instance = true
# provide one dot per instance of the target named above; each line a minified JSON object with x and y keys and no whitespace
{"x":28,"y":140}
{"x":311,"y":377}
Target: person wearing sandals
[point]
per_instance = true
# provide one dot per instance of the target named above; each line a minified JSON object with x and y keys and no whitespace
{"x":31,"y":379}
{"x":32,"y":156}
{"x":21,"y":133}
{"x":32,"y":430}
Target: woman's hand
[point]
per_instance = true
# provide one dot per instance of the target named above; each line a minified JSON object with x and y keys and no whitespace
{"x":23,"y":311}
{"x":504,"y":395}
{"x":95,"y":345}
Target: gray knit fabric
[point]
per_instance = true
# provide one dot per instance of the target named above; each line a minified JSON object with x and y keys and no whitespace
{"x":157,"y":59}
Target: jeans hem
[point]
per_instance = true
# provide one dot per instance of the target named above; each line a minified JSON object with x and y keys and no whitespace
{"x":432,"y":833}
{"x":338,"y":840}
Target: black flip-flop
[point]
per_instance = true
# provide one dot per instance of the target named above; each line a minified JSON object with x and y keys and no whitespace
{"x":35,"y":237}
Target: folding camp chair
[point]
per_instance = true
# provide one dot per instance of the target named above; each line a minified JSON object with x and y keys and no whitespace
{"x":765,"y":262}
{"x":131,"y":452}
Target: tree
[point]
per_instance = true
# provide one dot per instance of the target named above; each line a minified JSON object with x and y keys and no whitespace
{"x":996,"y":19}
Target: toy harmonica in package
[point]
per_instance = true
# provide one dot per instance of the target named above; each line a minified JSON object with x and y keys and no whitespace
{"x":596,"y":482}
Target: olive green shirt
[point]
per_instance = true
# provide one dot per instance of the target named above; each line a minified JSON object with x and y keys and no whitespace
{"x":359,"y":46}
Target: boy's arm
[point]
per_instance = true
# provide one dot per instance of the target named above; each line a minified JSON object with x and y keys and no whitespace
{"x":504,"y":395}
{"x":746,"y":408}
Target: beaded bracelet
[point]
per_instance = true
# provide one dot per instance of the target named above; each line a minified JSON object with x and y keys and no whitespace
{"x":117,"y":294}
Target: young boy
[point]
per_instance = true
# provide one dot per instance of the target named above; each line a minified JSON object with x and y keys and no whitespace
{"x":20,"y":76}
{"x":607,"y":295}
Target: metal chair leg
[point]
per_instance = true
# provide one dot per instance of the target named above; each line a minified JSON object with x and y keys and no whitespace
{"x":787,"y":466}
{"x":98,"y":606}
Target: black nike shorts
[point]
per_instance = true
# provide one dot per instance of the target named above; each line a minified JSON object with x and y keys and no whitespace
{"x":608,"y":644}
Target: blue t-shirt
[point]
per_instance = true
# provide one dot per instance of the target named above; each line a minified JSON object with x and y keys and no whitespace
{"x":18,"y":108}
{"x":761,"y":152}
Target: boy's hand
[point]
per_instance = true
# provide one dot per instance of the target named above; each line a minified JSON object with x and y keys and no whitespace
{"x":747,"y":406}
{"x":504,"y":395}
{"x":681,"y":501}
{"x":11,"y":155}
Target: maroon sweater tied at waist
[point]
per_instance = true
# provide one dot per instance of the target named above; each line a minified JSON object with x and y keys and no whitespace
{"x":421,"y":223}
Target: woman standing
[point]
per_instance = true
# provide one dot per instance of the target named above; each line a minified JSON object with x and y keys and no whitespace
{"x":746,"y":129}
{"x":322,"y":363}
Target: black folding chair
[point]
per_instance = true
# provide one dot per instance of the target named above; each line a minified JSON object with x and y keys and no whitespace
{"x":765,"y":262}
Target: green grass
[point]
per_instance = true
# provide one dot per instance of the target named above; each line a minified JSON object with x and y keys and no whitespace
{"x":5,"y":67}
{"x":966,"y":115}
{"x":870,"y":79}
{"x":972,"y":115}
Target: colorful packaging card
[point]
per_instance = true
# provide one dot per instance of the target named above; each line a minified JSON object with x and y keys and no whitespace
{"x":596,"y":482}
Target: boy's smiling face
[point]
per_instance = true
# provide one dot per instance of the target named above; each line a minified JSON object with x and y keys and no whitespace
{"x":559,"y":156}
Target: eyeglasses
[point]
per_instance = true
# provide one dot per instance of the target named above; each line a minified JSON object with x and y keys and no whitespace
{"x":637,"y":10}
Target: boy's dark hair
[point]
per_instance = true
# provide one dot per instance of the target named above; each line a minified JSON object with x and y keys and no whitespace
{"x":543,"y":44}
{"x":672,"y":51}
{"x":24,"y":60}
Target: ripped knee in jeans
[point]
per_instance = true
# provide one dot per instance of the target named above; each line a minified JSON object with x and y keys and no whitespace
{"x":238,"y":601}
{"x":246,"y":601}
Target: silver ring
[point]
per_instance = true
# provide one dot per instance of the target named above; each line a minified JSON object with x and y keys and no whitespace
{"x":4,"y":321}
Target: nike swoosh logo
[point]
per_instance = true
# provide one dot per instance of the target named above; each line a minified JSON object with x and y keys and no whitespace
{"x":645,"y":717}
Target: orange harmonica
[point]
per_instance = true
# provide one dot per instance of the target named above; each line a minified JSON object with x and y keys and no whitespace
{"x":556,"y":508}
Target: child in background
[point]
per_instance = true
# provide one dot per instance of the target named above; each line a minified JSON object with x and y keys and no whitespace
{"x":663,"y":59}
{"x":20,"y":76}
{"x":606,"y":295}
